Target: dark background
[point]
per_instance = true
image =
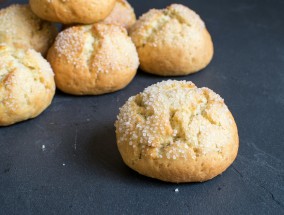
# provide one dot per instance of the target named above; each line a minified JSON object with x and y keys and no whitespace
{"x":81,"y":172}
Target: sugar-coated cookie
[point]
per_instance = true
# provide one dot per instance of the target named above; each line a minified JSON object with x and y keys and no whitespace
{"x":72,"y":11}
{"x":176,"y":132}
{"x":172,"y":42}
{"x":122,"y":14}
{"x":93,"y":59}
{"x":26,"y":84}
{"x":21,"y":28}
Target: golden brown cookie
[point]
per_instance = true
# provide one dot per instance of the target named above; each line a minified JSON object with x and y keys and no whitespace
{"x":172,"y":42}
{"x":26,"y":84}
{"x":176,"y":132}
{"x":21,"y":28}
{"x":93,"y":59}
{"x":122,"y":14}
{"x":72,"y":11}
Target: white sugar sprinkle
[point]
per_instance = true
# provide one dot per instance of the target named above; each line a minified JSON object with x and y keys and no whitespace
{"x":174,"y":118}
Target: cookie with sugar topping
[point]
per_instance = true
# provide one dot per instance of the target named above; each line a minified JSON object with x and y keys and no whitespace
{"x":27,"y":84}
{"x":72,"y":11}
{"x":21,"y":28}
{"x":176,"y":132}
{"x":171,"y":42}
{"x":122,"y":14}
{"x":93,"y":59}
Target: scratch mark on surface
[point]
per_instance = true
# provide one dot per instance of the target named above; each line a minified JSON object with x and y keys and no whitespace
{"x":40,"y":127}
{"x":272,"y":196}
{"x":263,"y":158}
{"x":76,"y":136}
{"x":237,"y":171}
{"x":252,"y":166}
{"x":244,"y":7}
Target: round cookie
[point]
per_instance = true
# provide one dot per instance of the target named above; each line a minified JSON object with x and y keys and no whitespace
{"x":172,"y":42}
{"x":122,"y":14}
{"x":176,"y":132}
{"x":26,"y":84}
{"x":93,"y":59}
{"x":21,"y":28}
{"x":72,"y":11}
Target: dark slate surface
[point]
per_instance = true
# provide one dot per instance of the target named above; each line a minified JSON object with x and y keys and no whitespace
{"x":81,"y":172}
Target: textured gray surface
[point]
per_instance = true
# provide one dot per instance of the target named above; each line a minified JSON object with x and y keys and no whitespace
{"x":247,"y":71}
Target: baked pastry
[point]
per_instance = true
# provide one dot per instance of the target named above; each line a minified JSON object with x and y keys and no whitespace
{"x":26,"y":84}
{"x":172,"y":42}
{"x":93,"y":59}
{"x":176,"y":132}
{"x":21,"y":28}
{"x":72,"y":11}
{"x":122,"y":14}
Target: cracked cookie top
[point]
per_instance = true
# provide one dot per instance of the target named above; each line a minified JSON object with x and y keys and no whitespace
{"x":93,"y":59}
{"x":172,"y":41}
{"x":26,"y":84}
{"x":174,"y":121}
{"x":144,"y":31}
{"x":21,"y":28}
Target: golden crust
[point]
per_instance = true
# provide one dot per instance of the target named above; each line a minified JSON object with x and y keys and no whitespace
{"x":173,"y":41}
{"x":93,"y":59}
{"x":21,"y":28}
{"x":176,"y":132}
{"x":70,"y":11}
{"x":122,"y":14}
{"x":26,"y":84}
